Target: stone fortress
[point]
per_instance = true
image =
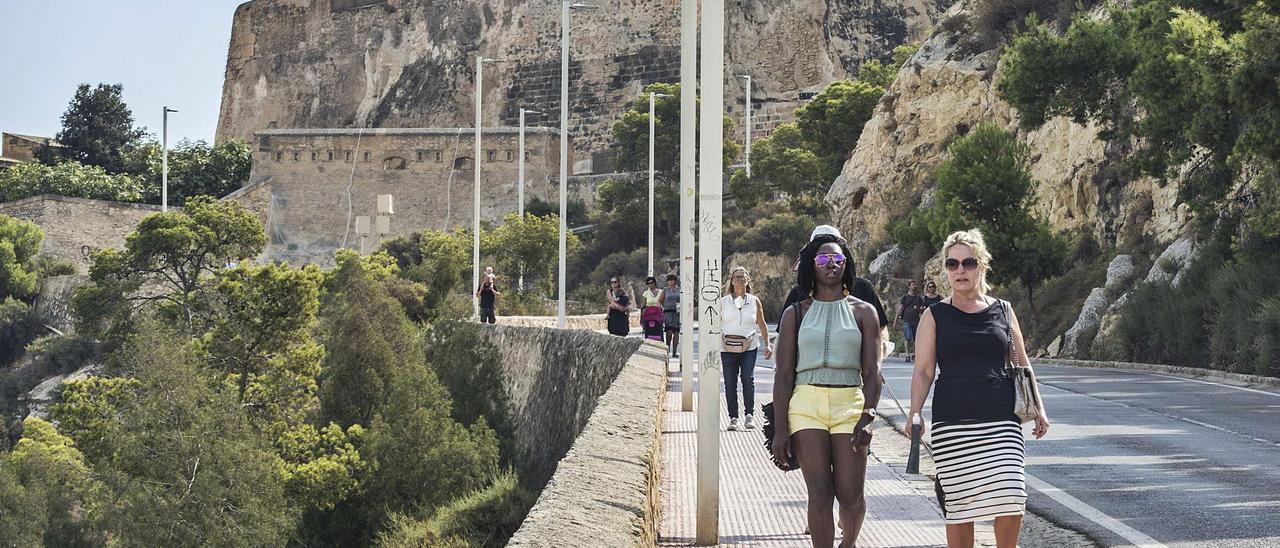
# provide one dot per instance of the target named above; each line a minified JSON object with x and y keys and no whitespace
{"x":309,"y":185}
{"x":339,"y":99}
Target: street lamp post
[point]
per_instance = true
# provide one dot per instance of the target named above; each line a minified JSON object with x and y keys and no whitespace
{"x":711,"y":163}
{"x":520,"y":185}
{"x":747,"y":77}
{"x":688,"y":177}
{"x":164,"y":158}
{"x":565,"y":8}
{"x":652,"y":96}
{"x":475,"y":194}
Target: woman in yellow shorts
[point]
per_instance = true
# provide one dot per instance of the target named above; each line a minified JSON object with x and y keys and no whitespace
{"x":826,"y":387}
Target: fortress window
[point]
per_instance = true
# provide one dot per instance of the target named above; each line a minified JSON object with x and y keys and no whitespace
{"x":437,"y":156}
{"x":313,"y":156}
{"x":394,"y":162}
{"x":511,"y":155}
{"x":348,"y":156}
{"x":295,"y":156}
{"x":366,"y":156}
{"x":330,"y":155}
{"x":279,"y":156}
{"x":421,"y":155}
{"x":490,"y":155}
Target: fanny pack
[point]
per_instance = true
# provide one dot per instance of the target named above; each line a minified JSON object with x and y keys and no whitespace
{"x":735,"y":344}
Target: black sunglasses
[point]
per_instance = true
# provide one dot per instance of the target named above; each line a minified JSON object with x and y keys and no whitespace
{"x":969,"y":263}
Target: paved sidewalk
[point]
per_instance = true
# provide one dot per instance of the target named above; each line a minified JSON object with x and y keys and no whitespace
{"x":762,"y":506}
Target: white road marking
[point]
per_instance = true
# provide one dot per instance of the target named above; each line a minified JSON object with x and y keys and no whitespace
{"x":1202,"y":424}
{"x":1093,"y":514}
{"x":1212,"y":383}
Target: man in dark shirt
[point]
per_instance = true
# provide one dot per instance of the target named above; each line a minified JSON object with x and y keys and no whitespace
{"x":909,"y":315}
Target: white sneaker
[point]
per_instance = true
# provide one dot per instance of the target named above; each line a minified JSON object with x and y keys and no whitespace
{"x":733,"y":424}
{"x":751,"y":422}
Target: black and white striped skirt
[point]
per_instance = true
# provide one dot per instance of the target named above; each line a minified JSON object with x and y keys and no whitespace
{"x":980,"y":469}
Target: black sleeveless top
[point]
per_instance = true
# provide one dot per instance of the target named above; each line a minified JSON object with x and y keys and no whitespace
{"x":972,"y":348}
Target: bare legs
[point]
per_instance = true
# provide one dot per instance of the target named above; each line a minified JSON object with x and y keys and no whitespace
{"x":832,"y":471}
{"x":1007,"y":529}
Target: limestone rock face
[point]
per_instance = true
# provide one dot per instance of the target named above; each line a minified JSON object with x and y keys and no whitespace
{"x":1119,"y":273}
{"x":943,"y":92}
{"x":887,"y":263}
{"x":1172,"y":263}
{"x":1090,"y":316}
{"x":411,"y":63}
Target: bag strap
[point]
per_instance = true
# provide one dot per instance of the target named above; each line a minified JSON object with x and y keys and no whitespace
{"x":1008,"y":326}
{"x":795,"y":335}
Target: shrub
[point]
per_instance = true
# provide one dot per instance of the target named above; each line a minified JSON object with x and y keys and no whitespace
{"x":67,"y":179}
{"x":485,"y":518}
{"x":471,"y":369}
{"x":60,"y":354}
{"x":17,"y":328}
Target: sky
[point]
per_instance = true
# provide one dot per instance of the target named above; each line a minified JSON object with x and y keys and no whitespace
{"x":164,"y":52}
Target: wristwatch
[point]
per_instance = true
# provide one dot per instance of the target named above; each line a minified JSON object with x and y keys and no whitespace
{"x":871,"y":412}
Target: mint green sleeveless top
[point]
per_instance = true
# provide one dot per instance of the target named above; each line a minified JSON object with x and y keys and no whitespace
{"x":830,"y":345}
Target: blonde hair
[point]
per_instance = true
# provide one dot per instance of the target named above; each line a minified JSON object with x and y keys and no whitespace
{"x":728,"y":288}
{"x":972,"y":239}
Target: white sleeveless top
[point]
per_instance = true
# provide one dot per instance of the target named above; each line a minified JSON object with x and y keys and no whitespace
{"x":739,"y":317}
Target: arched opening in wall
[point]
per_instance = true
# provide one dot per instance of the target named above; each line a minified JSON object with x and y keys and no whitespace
{"x":394,"y":162}
{"x":962,"y":129}
{"x":462,"y":162}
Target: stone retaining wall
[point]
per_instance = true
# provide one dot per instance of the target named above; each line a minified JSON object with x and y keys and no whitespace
{"x":589,"y":322}
{"x":605,"y":490}
{"x":555,"y":379}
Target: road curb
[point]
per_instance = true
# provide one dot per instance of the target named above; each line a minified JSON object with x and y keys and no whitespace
{"x":1240,"y":379}
{"x":1251,"y":381}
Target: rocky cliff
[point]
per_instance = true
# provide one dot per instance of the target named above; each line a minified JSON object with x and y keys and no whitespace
{"x":410,"y":63}
{"x":946,"y":89}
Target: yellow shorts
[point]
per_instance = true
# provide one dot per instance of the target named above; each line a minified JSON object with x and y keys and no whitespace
{"x":834,"y":409}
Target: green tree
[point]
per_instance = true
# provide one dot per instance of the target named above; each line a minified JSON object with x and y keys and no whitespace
{"x":470,"y":367}
{"x":168,"y":261}
{"x":576,"y":211}
{"x":260,"y":341}
{"x":781,"y":164}
{"x":19,"y":241}
{"x":98,"y":126}
{"x":434,"y":258}
{"x":631,"y":134}
{"x":986,"y":183}
{"x":71,"y":179}
{"x":528,"y":245}
{"x":196,"y":168}
{"x":1186,"y":84}
{"x":368,"y":336}
{"x":832,"y":122}
{"x":800,"y":160}
{"x":49,"y":467}
{"x":183,"y":463}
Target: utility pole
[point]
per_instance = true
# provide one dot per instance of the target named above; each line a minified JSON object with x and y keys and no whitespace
{"x":688,"y":180}
{"x":565,"y":8}
{"x":164,"y":158}
{"x":475,"y":194}
{"x":652,"y":95}
{"x":747,"y":77}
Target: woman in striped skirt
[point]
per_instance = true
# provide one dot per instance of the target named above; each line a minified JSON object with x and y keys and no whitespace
{"x":977,"y":441}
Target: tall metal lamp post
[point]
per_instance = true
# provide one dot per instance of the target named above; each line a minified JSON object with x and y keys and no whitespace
{"x":475,"y":195}
{"x":747,"y":77}
{"x":652,"y":96}
{"x":164,"y":158}
{"x":565,"y":8}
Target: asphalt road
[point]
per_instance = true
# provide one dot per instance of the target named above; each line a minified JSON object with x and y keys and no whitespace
{"x":1150,"y":459}
{"x":1144,"y":459}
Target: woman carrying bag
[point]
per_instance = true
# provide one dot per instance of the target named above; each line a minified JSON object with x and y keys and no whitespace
{"x":742,"y":334}
{"x":826,"y":387}
{"x":969,"y":339}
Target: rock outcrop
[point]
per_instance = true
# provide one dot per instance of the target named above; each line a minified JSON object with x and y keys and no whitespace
{"x":945,"y":90}
{"x":411,"y":63}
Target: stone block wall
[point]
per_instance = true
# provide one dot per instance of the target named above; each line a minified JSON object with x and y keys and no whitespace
{"x":74,"y":227}
{"x":605,"y":490}
{"x":411,"y":63}
{"x":555,"y":379}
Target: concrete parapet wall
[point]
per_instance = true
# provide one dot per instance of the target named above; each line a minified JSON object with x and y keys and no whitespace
{"x":1256,"y":381}
{"x":605,"y":490}
{"x":590,"y":322}
{"x":555,"y":379}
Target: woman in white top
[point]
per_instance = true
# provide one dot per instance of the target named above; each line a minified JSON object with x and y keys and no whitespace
{"x":744,"y":331}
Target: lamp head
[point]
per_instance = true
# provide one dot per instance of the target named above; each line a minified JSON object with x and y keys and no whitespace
{"x":581,"y":6}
